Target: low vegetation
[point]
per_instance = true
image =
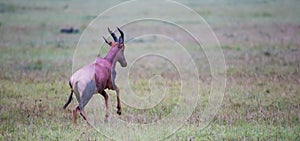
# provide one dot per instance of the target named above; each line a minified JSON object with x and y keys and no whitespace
{"x":260,"y":42}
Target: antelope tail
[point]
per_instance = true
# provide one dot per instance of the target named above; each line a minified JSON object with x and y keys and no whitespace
{"x":70,"y":97}
{"x":69,"y":100}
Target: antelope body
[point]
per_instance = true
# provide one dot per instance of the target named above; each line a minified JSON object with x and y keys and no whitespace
{"x":98,"y":76}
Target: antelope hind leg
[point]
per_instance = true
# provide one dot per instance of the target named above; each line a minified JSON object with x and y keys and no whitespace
{"x":82,"y":113}
{"x":75,"y":114}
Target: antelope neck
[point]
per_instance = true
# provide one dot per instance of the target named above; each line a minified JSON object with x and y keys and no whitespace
{"x":111,"y":55}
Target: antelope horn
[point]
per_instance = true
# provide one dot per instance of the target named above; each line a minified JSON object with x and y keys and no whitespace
{"x":106,"y":41}
{"x":113,"y":35}
{"x":122,"y":35}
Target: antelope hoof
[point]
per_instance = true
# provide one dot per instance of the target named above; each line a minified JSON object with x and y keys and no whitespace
{"x":74,"y":122}
{"x":106,"y":120}
{"x":119,"y":112}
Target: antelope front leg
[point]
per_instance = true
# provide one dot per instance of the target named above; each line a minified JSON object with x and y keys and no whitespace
{"x":105,"y":95}
{"x":119,"y":111}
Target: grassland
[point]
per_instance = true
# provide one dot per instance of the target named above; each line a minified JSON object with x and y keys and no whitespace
{"x":260,"y":41}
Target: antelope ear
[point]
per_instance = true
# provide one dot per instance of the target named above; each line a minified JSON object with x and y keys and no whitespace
{"x":121,"y":41}
{"x":106,"y":41}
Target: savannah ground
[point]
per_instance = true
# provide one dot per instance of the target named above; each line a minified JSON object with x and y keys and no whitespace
{"x":260,"y":40}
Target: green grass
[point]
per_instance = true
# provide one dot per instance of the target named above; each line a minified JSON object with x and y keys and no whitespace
{"x":260,"y":42}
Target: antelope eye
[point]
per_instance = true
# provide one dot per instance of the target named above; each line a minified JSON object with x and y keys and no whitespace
{"x":120,"y":45}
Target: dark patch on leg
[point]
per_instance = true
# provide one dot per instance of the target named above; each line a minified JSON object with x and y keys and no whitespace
{"x":87,"y":94}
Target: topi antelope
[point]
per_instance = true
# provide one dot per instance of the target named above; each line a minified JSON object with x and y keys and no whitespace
{"x":96,"y":77}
